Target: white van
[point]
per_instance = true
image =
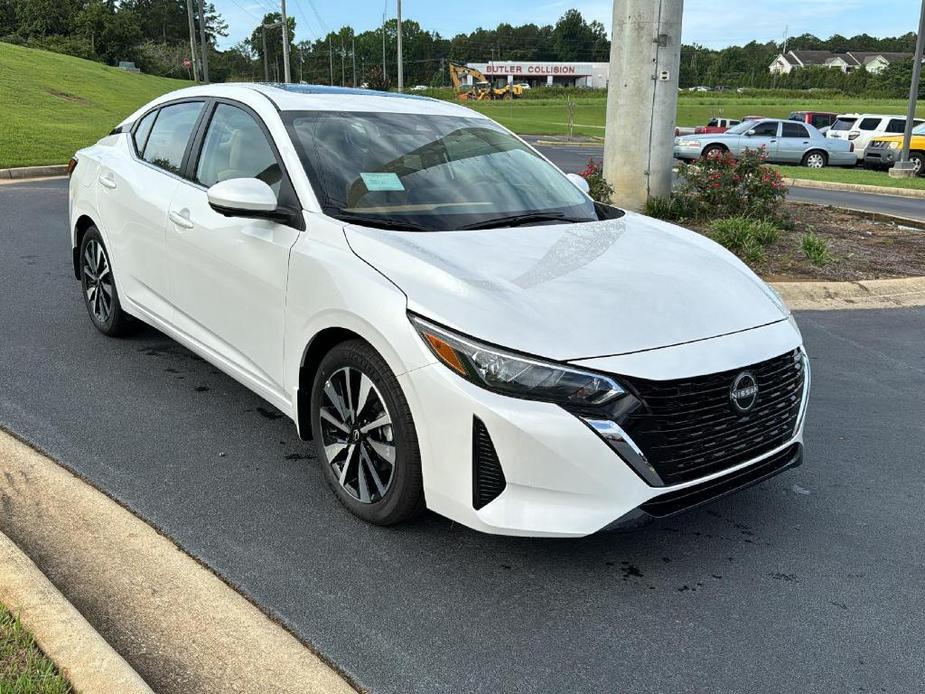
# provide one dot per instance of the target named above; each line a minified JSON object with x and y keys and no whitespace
{"x":861,"y":128}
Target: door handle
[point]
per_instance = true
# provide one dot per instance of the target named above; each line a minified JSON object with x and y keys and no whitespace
{"x":180,"y":219}
{"x":107,"y":181}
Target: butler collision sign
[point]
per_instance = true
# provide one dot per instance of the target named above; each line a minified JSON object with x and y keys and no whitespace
{"x":548,"y":73}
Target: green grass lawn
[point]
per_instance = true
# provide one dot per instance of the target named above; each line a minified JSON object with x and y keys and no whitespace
{"x":550,"y":116}
{"x":24,"y":669}
{"x":52,"y":105}
{"x":859,"y":176}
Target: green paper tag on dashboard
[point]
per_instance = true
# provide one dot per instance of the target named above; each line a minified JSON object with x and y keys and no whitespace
{"x":382,"y":181}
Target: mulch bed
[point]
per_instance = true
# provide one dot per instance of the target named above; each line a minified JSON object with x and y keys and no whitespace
{"x":863,"y":247}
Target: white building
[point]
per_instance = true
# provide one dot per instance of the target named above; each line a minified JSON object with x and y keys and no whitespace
{"x":546,"y":73}
{"x":874,"y":62}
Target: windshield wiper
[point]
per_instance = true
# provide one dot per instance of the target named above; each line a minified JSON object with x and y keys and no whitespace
{"x":521,"y":220}
{"x":380,"y":222}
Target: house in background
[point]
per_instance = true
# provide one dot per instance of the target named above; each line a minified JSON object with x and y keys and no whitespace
{"x":872,"y":61}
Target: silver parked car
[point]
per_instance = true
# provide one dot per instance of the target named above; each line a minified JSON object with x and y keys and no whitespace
{"x":785,"y":141}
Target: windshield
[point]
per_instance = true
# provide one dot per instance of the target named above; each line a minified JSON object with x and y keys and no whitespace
{"x":843,"y":123}
{"x":422,"y":172}
{"x":919,"y":130}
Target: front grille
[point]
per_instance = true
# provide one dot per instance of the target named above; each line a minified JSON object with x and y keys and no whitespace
{"x":688,"y":428}
{"x":487,"y":476}
{"x":689,"y":497}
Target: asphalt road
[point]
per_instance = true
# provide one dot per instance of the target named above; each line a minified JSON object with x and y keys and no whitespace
{"x":811,"y":582}
{"x":573,"y":159}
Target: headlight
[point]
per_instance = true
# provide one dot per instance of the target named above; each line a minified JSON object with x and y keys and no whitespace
{"x":893,"y":145}
{"x":513,"y":374}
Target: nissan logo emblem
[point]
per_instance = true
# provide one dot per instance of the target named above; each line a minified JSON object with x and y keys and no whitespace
{"x":744,"y":392}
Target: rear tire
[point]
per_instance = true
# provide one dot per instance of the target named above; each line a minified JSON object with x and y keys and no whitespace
{"x":365,"y":437}
{"x":97,"y":280}
{"x":815,"y":159}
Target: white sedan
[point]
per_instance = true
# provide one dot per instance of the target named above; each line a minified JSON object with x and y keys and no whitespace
{"x":450,"y":318}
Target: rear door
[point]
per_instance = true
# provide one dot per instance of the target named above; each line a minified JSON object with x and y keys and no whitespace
{"x":866,"y":129}
{"x":793,"y":143}
{"x":136,"y":185}
{"x":228,"y":274}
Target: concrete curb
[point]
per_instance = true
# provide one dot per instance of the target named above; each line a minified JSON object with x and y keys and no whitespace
{"x":866,"y":294}
{"x":855,"y":188}
{"x":561,"y":143}
{"x":33,"y":172}
{"x":180,"y":626}
{"x":80,"y":653}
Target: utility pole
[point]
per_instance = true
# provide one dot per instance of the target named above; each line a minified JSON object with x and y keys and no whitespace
{"x":287,"y":78}
{"x":642,"y":98}
{"x":266,"y":64}
{"x":192,"y":39}
{"x":202,"y":41}
{"x":331,"y":58}
{"x":353,"y":56}
{"x":343,"y":54}
{"x":384,"y":75}
{"x":905,"y":168}
{"x":301,"y":64}
{"x":401,"y":66}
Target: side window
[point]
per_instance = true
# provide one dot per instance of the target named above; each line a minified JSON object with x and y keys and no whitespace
{"x":896,"y":125}
{"x":236,"y":147}
{"x":170,"y":135}
{"x":767,"y":128}
{"x":869,"y":124}
{"x":142,"y":130}
{"x":795,"y":130}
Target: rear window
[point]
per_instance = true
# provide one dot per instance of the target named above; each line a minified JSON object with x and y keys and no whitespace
{"x":171,"y":132}
{"x":822,"y":120}
{"x":843,"y":123}
{"x":795,"y":130}
{"x":142,"y":130}
{"x":869,"y":124}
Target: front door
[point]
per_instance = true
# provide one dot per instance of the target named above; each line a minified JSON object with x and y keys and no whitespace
{"x":228,"y":274}
{"x":763,"y":136}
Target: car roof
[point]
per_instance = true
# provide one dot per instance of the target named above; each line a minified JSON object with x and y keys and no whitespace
{"x":311,"y":97}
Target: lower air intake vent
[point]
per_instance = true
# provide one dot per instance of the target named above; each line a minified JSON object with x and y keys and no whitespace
{"x":487,"y":476}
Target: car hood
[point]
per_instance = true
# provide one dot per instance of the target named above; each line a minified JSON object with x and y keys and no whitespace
{"x":573,"y":291}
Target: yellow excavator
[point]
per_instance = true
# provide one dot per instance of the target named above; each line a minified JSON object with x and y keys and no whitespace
{"x":482,"y":89}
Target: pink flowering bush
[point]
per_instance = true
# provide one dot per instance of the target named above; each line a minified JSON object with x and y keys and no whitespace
{"x":724,"y":186}
{"x":599,"y":188}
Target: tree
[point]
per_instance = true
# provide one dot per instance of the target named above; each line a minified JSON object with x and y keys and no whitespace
{"x":274,"y":43}
{"x":44,"y":17}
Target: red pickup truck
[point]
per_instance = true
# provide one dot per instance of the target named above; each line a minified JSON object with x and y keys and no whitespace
{"x":716,"y":125}
{"x":817,"y":119}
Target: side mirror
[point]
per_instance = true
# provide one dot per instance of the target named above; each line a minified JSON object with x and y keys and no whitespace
{"x":751,"y":133}
{"x":243,"y":197}
{"x":579,"y":182}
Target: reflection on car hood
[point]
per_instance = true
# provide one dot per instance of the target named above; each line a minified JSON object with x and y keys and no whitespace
{"x":571,"y":291}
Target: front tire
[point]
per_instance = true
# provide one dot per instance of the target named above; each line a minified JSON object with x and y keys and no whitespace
{"x":365,"y":437}
{"x":713,"y":152}
{"x":101,"y":297}
{"x":918,"y":160}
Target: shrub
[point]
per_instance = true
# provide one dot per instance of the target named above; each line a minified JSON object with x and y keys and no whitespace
{"x":672,"y":208}
{"x":816,"y":249}
{"x":600,"y":189}
{"x":745,"y":237}
{"x":723,"y":186}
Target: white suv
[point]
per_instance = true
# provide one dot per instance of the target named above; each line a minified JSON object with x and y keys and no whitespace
{"x":862,"y":128}
{"x":449,"y":317}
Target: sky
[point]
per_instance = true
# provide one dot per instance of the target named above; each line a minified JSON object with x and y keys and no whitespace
{"x":712,"y":23}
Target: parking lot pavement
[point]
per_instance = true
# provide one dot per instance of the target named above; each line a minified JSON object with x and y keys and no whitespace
{"x":811,"y":582}
{"x":573,"y":159}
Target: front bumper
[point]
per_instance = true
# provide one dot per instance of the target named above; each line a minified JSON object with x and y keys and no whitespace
{"x":561,"y":478}
{"x":686,"y":152}
{"x":880,"y":157}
